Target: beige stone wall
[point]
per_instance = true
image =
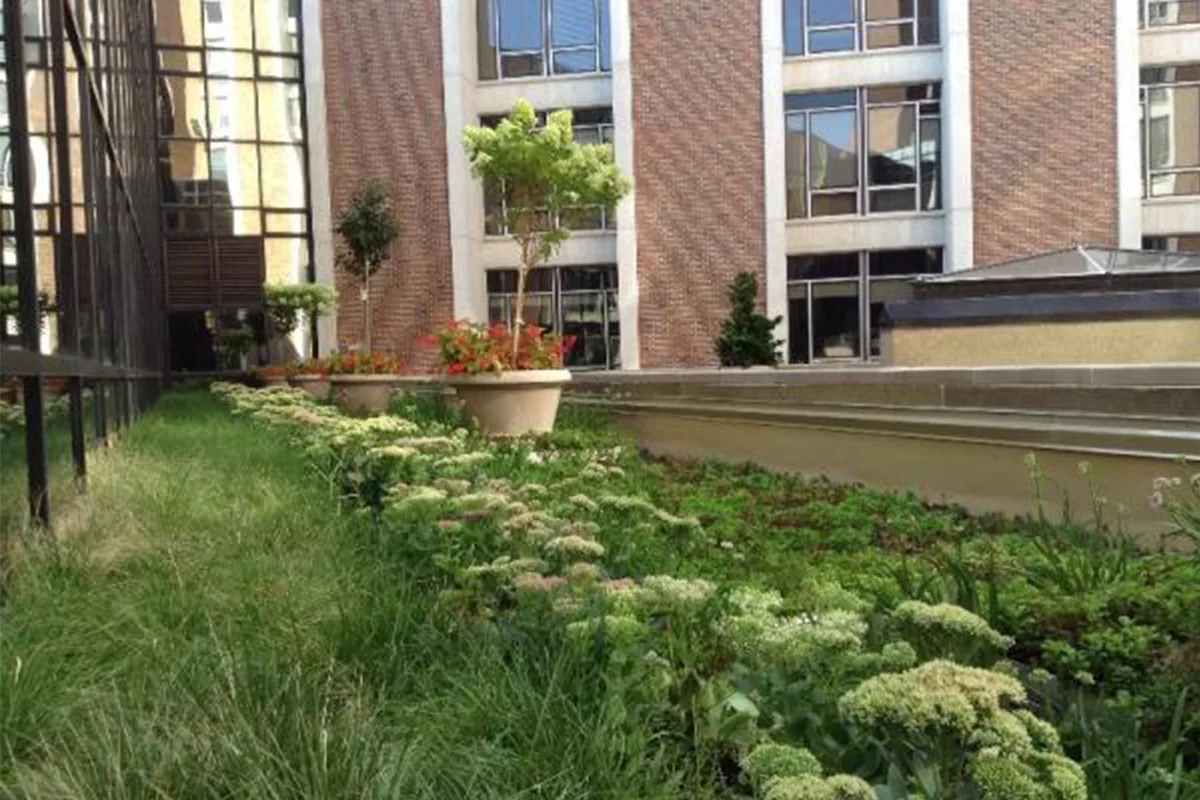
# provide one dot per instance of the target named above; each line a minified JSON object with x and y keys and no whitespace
{"x":1118,"y":341}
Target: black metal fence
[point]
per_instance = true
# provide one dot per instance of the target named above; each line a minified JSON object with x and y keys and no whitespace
{"x":81,"y":320}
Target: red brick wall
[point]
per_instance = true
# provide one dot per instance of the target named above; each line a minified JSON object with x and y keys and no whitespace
{"x":698,"y":168}
{"x":1044,"y":116}
{"x":383,"y":88}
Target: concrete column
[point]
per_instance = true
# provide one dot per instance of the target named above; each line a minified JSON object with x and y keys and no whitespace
{"x":459,"y":71}
{"x":627,"y":251}
{"x":774,"y":158}
{"x":957,"y":180}
{"x":1127,"y":44}
{"x":318,"y":171}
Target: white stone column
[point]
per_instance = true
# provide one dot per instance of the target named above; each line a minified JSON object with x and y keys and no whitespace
{"x":1129,"y":141}
{"x":459,"y":71}
{"x":774,"y":165}
{"x":623,"y":133}
{"x":318,"y":169}
{"x":957,"y":182}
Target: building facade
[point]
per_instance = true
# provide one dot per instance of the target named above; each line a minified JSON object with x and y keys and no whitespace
{"x":835,"y":148}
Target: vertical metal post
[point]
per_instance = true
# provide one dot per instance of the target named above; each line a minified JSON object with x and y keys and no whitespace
{"x":88,"y":157}
{"x":30,"y":316}
{"x":68,"y":271}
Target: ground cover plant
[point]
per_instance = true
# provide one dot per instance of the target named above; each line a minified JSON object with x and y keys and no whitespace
{"x":408,"y":610}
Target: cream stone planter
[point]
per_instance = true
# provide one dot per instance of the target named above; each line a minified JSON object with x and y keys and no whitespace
{"x":315,"y":385}
{"x":512,"y":403}
{"x":364,"y":393}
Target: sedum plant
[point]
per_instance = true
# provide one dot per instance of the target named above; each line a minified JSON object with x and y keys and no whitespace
{"x":951,"y":731}
{"x":945,"y":630}
{"x":544,"y":176}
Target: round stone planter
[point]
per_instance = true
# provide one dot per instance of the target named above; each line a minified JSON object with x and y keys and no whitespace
{"x":512,"y":403}
{"x":368,"y":394}
{"x":273,"y":380}
{"x":315,"y":385}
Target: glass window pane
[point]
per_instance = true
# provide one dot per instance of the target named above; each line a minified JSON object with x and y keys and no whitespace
{"x":485,"y":33}
{"x":279,"y":112}
{"x":539,"y":310}
{"x":277,"y":25}
{"x":287,"y":223}
{"x":178,"y":22}
{"x":797,"y":320}
{"x":884,"y":201}
{"x":1180,"y":123}
{"x":178,"y":60}
{"x":279,"y":67}
{"x":833,"y":149}
{"x":240,"y":175}
{"x":883,"y":292}
{"x":182,"y":107}
{"x":833,"y":205}
{"x":801,"y":101}
{"x":904,"y":262}
{"x":521,"y":66}
{"x":892,"y":156}
{"x":497,"y":309}
{"x":931,"y":164}
{"x":574,"y":61}
{"x":830,"y":12}
{"x":239,"y":221}
{"x":793,"y":27}
{"x":286,"y":259}
{"x":826,"y":265}
{"x":227,"y":64}
{"x":502,"y":281}
{"x":583,"y":318}
{"x":185,"y":164}
{"x":283,"y":176}
{"x":605,"y":37}
{"x":1176,"y":183}
{"x":573,"y":21}
{"x":880,"y":37}
{"x":835,"y":320}
{"x":928,"y":26}
{"x":520,"y":25}
{"x":231,"y":111}
{"x":889,"y":9}
{"x":831,"y":41}
{"x":795,"y":142}
{"x":227,"y":23}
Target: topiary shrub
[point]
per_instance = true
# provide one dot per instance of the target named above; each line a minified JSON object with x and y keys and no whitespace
{"x":747,"y":337}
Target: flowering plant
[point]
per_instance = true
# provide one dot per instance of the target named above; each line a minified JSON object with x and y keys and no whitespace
{"x":310,"y":366}
{"x":472,"y":348}
{"x":355,"y":362}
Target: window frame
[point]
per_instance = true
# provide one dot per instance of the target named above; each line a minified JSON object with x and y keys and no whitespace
{"x":924,"y":109}
{"x":1150,"y":80}
{"x":861,"y":27}
{"x":548,"y":50}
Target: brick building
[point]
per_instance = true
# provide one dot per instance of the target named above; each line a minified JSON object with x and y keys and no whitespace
{"x":834,"y":147}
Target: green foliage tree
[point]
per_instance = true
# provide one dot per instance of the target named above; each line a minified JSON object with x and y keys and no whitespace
{"x":368,"y":228}
{"x":747,"y":337}
{"x":544,"y":177}
{"x":286,"y":302}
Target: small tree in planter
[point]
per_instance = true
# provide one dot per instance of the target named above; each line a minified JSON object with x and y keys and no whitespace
{"x":287,"y":303}
{"x":368,"y":228}
{"x":544,"y":178}
{"x":747,"y":337}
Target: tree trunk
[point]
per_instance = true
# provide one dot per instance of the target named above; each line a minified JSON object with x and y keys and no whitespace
{"x":365,"y":294}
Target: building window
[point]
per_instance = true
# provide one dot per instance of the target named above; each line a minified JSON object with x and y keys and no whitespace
{"x":812,"y":27}
{"x":1170,"y":121}
{"x":589,"y":126}
{"x":1162,"y":13}
{"x":532,"y":38}
{"x":836,"y":300}
{"x":573,"y":301}
{"x":831,"y":173}
{"x":1184,"y":243}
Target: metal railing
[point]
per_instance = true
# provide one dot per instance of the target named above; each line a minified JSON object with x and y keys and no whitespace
{"x":84,"y":329}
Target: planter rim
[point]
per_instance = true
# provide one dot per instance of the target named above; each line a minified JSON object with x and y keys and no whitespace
{"x":308,"y":377}
{"x":352,"y":378}
{"x":524,"y":377}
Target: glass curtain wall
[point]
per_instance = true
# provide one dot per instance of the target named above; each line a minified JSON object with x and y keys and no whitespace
{"x":233,"y":162}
